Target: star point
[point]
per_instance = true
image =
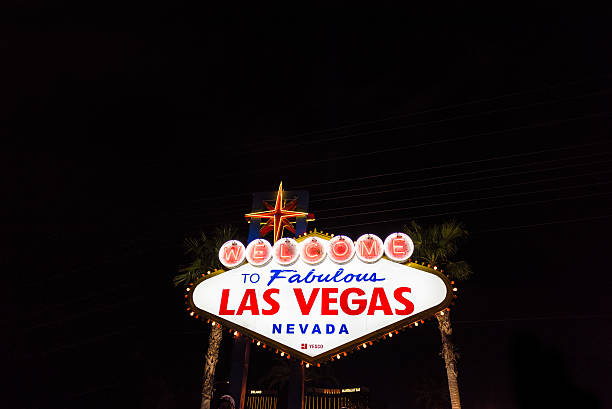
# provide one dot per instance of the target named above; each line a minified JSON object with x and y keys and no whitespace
{"x":278,"y":216}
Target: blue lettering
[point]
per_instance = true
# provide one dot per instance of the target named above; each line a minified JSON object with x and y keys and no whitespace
{"x":303,"y":328}
{"x":277,"y":274}
{"x":374,"y":279}
{"x":309,"y":277}
{"x":294,"y":278}
{"x":321,"y":278}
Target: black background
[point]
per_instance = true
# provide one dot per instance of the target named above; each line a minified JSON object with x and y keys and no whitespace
{"x":137,"y":124}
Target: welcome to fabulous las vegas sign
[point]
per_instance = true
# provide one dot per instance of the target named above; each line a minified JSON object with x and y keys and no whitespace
{"x":319,"y":296}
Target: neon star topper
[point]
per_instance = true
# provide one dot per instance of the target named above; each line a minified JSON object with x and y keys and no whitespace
{"x":278,"y":215}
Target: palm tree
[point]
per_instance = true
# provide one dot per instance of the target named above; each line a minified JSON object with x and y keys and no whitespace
{"x":438,"y":245}
{"x":202,"y":253}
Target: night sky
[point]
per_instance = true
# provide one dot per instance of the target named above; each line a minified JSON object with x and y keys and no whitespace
{"x":134,"y":125}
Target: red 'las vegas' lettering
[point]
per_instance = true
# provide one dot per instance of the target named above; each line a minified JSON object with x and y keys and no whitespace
{"x":274,"y":305}
{"x":327,"y":300}
{"x":305,"y":307}
{"x":223,"y":310}
{"x":379,"y":295}
{"x":399,"y":296}
{"x":360,"y":303}
{"x":351,"y":301}
{"x":249,"y":302}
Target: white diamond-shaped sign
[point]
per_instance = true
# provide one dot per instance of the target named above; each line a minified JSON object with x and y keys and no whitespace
{"x":316,"y":311}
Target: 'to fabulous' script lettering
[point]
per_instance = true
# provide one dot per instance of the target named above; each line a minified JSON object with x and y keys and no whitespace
{"x":323,"y":278}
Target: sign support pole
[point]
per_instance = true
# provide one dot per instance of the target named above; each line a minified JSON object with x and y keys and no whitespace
{"x":295,"y":397}
{"x":241,"y":351}
{"x":242,"y":348}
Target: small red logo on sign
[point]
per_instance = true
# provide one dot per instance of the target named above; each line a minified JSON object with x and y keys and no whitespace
{"x":304,"y":346}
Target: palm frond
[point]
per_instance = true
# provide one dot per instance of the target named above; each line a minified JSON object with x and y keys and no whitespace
{"x":459,"y":270}
{"x":415,"y":231}
{"x":221,"y":235}
{"x":449,"y":236}
{"x":185,"y":278}
{"x":438,"y":244}
{"x":196,"y":246}
{"x":202,"y":253}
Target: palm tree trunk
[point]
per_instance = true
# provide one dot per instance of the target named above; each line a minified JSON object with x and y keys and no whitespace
{"x":212,"y":357}
{"x":450,"y":358}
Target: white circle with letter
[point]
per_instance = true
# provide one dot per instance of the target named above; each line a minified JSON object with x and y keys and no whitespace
{"x":232,"y":253}
{"x":259,"y":252}
{"x":285,"y":251}
{"x":313,"y":250}
{"x":399,"y":247}
{"x":369,"y":248}
{"x":341,"y":249}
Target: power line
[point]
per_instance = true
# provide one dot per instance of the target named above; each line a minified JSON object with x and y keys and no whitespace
{"x":467,"y":200}
{"x":458,"y":192}
{"x":400,"y":148}
{"x":458,"y":211}
{"x":443,"y":108}
{"x":468,"y":210}
{"x":448,"y":165}
{"x":433,"y":122}
{"x":473,"y":172}
{"x":403,"y":147}
{"x":230,"y":209}
{"x":446,"y":107}
{"x":466,"y":191}
{"x":457,"y":181}
{"x":563,"y":221}
{"x":446,"y":183}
